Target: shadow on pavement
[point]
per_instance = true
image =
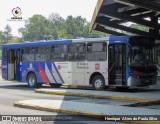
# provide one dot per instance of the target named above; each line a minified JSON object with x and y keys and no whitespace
{"x":18,"y":86}
{"x":24,"y":86}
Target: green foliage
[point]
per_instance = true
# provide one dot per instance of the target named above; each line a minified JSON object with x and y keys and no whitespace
{"x":6,"y":37}
{"x":14,"y":39}
{"x":1,"y":37}
{"x":7,"y":33}
{"x":39,"y":28}
{"x":75,"y":26}
{"x":140,"y":27}
{"x":0,"y":55}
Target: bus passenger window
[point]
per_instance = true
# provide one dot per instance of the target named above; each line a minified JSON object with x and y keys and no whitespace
{"x":77,"y":52}
{"x":59,"y":52}
{"x":47,"y":53}
{"x":37,"y":54}
{"x":81,"y":49}
{"x":96,"y":51}
{"x":28,"y":54}
{"x":42,"y":53}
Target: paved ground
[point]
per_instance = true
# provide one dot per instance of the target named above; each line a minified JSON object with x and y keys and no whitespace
{"x":11,"y":92}
{"x":103,"y":109}
{"x":134,"y":95}
{"x":96,"y":109}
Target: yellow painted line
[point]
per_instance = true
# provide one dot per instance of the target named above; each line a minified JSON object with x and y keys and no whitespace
{"x":75,"y":112}
{"x":54,"y":109}
{"x":68,"y":93}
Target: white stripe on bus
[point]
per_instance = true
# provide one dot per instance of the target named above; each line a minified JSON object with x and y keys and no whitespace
{"x":55,"y":74}
{"x":49,"y":75}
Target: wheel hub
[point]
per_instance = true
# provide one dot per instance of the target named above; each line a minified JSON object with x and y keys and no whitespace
{"x":31,"y":81}
{"x":98,"y":83}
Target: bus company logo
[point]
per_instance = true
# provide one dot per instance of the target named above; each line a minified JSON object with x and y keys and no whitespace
{"x":97,"y":66}
{"x":59,"y":67}
{"x":17,"y":13}
{"x":30,"y":67}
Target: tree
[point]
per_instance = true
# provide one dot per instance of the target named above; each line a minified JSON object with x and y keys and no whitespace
{"x":92,"y":34}
{"x":37,"y":28}
{"x":7,"y":33}
{"x":55,"y":17}
{"x":14,"y":39}
{"x":1,"y":37}
{"x":22,"y":31}
{"x":75,"y":26}
{"x":79,"y":27}
{"x":58,"y":30}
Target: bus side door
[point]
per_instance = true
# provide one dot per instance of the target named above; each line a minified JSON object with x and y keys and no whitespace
{"x":117,"y":64}
{"x":11,"y":65}
{"x":14,"y":64}
{"x":4,"y":63}
{"x":18,"y":64}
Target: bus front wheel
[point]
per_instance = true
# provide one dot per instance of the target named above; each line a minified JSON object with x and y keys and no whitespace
{"x":98,"y":82}
{"x":32,"y":81}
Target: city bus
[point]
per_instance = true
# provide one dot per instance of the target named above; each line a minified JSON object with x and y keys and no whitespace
{"x":117,"y":61}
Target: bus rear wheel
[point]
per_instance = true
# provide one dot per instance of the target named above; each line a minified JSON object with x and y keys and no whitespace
{"x":53,"y":85}
{"x":98,"y":82}
{"x":32,"y":81}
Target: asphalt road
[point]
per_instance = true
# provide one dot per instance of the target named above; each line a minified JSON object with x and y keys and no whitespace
{"x":11,"y":92}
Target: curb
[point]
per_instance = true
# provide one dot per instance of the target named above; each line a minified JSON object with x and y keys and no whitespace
{"x":68,"y":93}
{"x":53,"y":109}
{"x":75,"y":112}
{"x":155,"y":102}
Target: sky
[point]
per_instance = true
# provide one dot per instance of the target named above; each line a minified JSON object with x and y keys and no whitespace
{"x":84,"y":8}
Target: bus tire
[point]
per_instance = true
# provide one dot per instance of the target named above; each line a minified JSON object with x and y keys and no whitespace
{"x":98,"y":82}
{"x":53,"y":85}
{"x":32,"y":81}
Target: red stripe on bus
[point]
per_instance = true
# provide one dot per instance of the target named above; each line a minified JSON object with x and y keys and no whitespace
{"x":42,"y":74}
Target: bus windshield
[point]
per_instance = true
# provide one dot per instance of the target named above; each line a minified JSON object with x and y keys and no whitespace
{"x":140,"y":56}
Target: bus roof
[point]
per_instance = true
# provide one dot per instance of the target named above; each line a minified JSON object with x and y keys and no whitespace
{"x":112,"y":40}
{"x":50,"y":42}
{"x":118,"y":39}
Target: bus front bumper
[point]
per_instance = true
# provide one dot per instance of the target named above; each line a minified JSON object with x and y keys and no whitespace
{"x":141,"y":82}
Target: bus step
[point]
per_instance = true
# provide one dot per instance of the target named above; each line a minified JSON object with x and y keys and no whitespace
{"x":118,"y":76}
{"x":118,"y":72}
{"x":118,"y":81}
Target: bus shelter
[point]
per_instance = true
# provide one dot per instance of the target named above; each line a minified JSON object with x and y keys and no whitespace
{"x":110,"y":16}
{"x":117,"y":16}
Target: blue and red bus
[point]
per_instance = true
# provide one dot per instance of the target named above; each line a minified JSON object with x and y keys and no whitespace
{"x":120,"y":61}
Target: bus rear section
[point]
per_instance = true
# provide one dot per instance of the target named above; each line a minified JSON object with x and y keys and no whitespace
{"x":11,"y":63}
